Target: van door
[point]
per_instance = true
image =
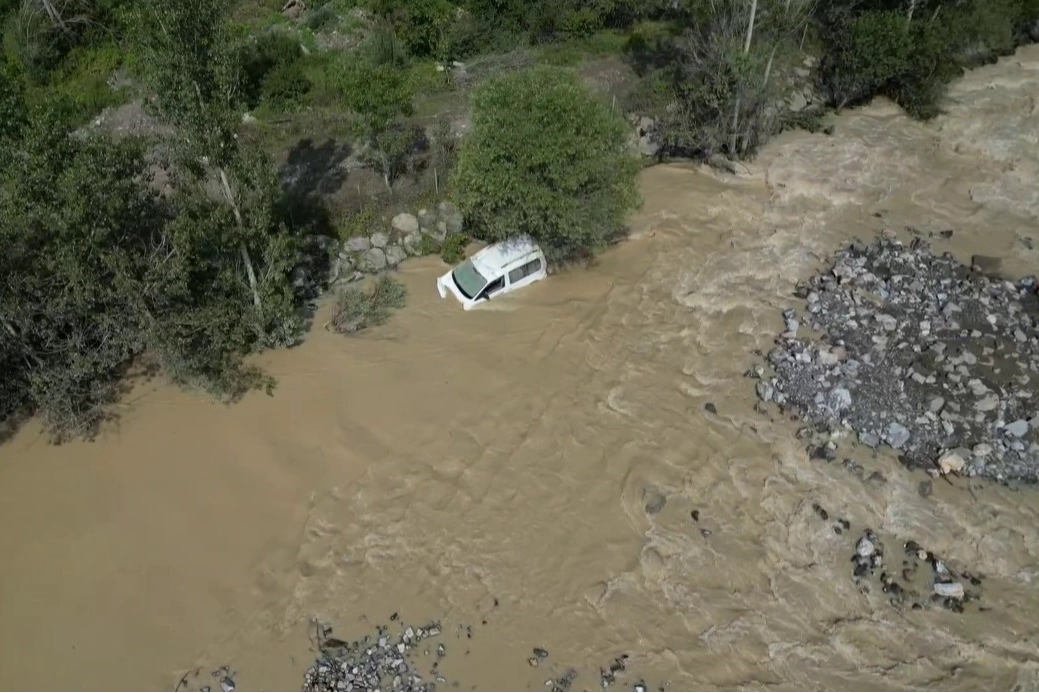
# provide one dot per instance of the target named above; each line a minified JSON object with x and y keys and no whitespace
{"x":492,"y":289}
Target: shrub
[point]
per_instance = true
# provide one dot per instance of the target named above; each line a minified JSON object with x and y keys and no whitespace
{"x":270,"y":52}
{"x":286,"y":86}
{"x":356,"y":309}
{"x":453,"y":249}
{"x":547,"y":159}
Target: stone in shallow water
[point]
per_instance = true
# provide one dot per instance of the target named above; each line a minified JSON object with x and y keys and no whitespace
{"x":952,"y":461}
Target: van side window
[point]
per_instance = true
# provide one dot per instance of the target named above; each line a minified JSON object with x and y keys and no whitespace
{"x":496,"y":285}
{"x":525,"y":270}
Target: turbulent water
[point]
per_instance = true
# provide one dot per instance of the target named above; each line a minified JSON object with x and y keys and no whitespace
{"x":451,"y":459}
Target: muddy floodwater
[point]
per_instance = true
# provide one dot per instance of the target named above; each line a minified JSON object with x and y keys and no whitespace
{"x":451,"y":459}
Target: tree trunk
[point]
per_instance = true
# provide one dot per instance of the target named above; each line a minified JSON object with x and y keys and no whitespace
{"x":733,"y":140}
{"x":750,"y":25}
{"x":241,"y":244}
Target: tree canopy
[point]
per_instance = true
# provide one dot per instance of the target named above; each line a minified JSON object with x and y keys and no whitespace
{"x":548,"y":159}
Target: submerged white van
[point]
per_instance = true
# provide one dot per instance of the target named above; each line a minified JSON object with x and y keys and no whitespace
{"x":495,"y":270}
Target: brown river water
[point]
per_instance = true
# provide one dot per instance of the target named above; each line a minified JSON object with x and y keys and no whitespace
{"x":449,"y":459}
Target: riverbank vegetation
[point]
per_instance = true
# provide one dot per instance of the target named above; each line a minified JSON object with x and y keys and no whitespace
{"x":162,"y":163}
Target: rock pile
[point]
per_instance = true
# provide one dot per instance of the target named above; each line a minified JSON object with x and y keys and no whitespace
{"x":386,"y":248}
{"x":938,"y":584}
{"x":938,"y":360}
{"x":380,"y":663}
{"x":410,"y":660}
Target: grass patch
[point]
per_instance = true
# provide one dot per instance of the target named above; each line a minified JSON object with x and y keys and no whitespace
{"x":81,"y":81}
{"x":356,"y":309}
{"x":575,"y":51}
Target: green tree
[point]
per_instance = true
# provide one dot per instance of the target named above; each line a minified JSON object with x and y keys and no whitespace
{"x":547,"y":159}
{"x":381,"y":97}
{"x":193,"y":64}
{"x":80,"y":228}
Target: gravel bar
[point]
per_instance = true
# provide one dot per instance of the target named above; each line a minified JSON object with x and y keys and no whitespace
{"x":934,"y":358}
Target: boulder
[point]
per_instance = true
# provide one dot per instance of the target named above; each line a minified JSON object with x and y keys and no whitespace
{"x":450,"y":217}
{"x":380,"y":239}
{"x":647,"y":147}
{"x":440,"y":232}
{"x":953,"y":461}
{"x":373,"y":261}
{"x":427,"y":219}
{"x":293,"y":9}
{"x":413,"y":244}
{"x":358,"y":244}
{"x":405,"y":223}
{"x":395,"y":255}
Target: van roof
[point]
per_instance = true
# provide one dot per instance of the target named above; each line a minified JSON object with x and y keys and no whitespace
{"x":498,"y":256}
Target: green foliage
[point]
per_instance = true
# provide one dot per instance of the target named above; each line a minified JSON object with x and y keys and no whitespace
{"x":81,"y":80}
{"x":385,"y":49}
{"x":884,"y":52}
{"x":356,"y":309}
{"x":78,"y":234}
{"x":422,"y":25}
{"x":273,"y":55}
{"x":429,"y":245}
{"x":286,"y":87}
{"x":546,"y":159}
{"x":381,"y":96}
{"x":453,"y":249}
{"x":359,"y":223}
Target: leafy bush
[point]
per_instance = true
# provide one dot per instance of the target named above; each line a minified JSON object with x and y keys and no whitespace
{"x":270,"y":52}
{"x":547,"y":159}
{"x":286,"y":86}
{"x":453,"y":249}
{"x":429,"y":245}
{"x":356,"y":309}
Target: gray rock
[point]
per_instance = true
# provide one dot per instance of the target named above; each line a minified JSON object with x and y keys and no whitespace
{"x":1018,"y":428}
{"x":427,"y":219}
{"x":887,"y":322}
{"x":765,"y":391}
{"x":987,"y":263}
{"x":936,"y":404}
{"x":413,"y":243}
{"x":395,"y":255}
{"x":982,"y":450}
{"x":647,"y":147}
{"x":655,"y":501}
{"x":797,"y":101}
{"x":405,"y":223}
{"x":865,"y":548}
{"x":897,"y":435}
{"x":987,"y":403}
{"x":840,"y":399}
{"x":358,"y":244}
{"x":953,"y":461}
{"x":450,"y":216}
{"x":373,"y":261}
{"x":949,"y":589}
{"x":380,"y":239}
{"x":869,"y":438}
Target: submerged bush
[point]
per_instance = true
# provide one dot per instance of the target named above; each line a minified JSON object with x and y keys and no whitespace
{"x":356,"y":309}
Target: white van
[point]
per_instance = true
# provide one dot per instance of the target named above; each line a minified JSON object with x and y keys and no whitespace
{"x":495,"y":270}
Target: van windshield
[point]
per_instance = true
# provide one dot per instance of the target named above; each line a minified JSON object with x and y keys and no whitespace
{"x":468,"y":280}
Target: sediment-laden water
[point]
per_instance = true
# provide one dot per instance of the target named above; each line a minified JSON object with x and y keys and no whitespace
{"x":531,"y":470}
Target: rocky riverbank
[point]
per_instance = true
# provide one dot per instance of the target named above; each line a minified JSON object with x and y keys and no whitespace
{"x":401,"y":657}
{"x":409,"y":658}
{"x":917,"y":351}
